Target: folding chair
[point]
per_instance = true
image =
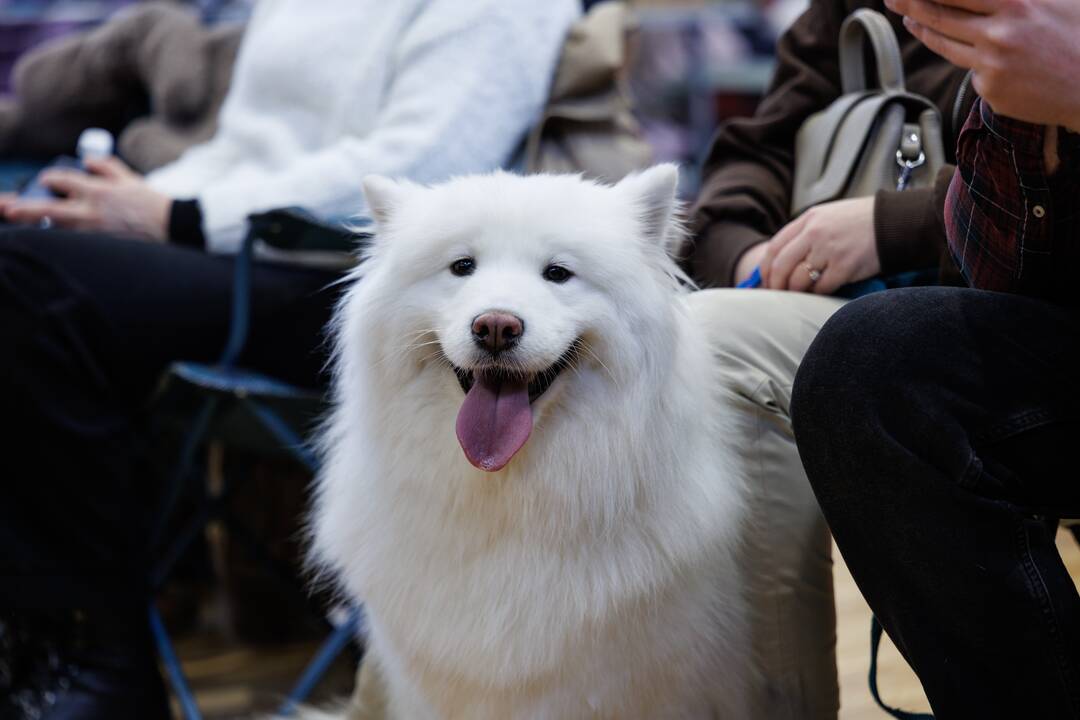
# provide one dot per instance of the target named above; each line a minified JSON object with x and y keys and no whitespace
{"x":239,"y":407}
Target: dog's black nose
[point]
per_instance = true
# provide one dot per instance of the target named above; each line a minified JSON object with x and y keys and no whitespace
{"x":497,"y":331}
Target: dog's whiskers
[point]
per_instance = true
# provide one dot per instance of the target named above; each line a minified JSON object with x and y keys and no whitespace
{"x":399,"y":352}
{"x":583,"y":348}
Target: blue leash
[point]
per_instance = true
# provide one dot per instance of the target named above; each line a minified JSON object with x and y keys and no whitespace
{"x":875,"y":642}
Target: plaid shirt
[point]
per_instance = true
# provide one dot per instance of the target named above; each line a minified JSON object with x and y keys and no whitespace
{"x":1011,"y":227}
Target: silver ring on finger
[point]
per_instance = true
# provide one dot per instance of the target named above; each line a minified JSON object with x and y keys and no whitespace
{"x":814,"y":273}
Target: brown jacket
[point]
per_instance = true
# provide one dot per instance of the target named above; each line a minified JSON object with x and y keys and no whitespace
{"x":746,"y":192}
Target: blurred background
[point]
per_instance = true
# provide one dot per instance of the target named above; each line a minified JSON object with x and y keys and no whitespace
{"x":243,"y":638}
{"x":694,"y":62}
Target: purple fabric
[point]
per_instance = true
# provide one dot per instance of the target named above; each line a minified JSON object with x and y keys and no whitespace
{"x":26,"y":23}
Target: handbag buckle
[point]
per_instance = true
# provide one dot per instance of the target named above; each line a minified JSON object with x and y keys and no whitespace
{"x":907,"y":168}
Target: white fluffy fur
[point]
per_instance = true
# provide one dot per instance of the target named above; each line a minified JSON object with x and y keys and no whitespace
{"x":594,"y":575}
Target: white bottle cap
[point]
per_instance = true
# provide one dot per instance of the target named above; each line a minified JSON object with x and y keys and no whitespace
{"x":94,"y":142}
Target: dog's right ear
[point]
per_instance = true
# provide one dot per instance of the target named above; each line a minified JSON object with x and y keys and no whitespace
{"x":384,"y":196}
{"x":653,"y":193}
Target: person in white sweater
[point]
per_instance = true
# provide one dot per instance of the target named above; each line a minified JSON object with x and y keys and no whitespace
{"x":136,"y":273}
{"x":324,"y":93}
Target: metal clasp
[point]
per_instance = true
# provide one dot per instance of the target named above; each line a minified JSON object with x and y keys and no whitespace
{"x":907,"y":168}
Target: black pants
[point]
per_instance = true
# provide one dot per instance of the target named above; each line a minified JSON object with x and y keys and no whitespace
{"x":88,"y":323}
{"x":937,"y":427}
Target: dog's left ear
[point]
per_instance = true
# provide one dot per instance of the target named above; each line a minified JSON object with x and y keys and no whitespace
{"x":652,"y":191}
{"x":384,"y":196}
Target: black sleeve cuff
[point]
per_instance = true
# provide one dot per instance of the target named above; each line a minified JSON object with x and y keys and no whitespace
{"x":185,"y":224}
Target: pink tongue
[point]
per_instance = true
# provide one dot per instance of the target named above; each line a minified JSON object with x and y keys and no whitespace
{"x":494,"y":421}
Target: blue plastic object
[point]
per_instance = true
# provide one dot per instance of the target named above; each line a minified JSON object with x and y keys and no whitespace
{"x":753,"y":281}
{"x":915,"y":278}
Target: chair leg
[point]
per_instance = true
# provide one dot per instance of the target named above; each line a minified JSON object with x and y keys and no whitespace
{"x":284,"y":575}
{"x":331,"y":647}
{"x":285,"y":435}
{"x":177,"y":679}
{"x":322,"y":661}
{"x":192,"y":442}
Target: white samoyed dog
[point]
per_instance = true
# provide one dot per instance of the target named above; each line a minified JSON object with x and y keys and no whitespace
{"x":526,"y":480}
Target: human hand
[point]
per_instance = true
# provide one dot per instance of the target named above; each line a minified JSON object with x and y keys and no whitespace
{"x":110,"y":197}
{"x":835,"y":239}
{"x":1024,"y":54}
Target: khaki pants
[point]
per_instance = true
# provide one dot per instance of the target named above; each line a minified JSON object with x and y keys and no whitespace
{"x":762,"y":336}
{"x":787,"y":560}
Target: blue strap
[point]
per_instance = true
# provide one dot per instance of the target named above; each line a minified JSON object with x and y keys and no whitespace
{"x":875,"y":642}
{"x":188,"y":708}
{"x":241,"y":301}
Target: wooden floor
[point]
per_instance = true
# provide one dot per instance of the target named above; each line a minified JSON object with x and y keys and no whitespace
{"x":233,"y":680}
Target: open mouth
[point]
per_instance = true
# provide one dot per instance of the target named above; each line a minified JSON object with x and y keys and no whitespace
{"x":537,"y":383}
{"x":496,"y":419}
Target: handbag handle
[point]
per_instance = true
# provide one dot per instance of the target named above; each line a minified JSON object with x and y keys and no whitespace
{"x":860,"y":26}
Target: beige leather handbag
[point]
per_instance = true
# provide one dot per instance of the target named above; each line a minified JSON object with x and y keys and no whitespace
{"x":870,"y":138}
{"x":588,"y":125}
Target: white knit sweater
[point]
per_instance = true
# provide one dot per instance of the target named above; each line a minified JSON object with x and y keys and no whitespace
{"x":327,"y":91}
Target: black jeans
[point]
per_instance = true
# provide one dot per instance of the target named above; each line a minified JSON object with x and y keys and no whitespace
{"x":88,"y":323}
{"x":935,"y":426}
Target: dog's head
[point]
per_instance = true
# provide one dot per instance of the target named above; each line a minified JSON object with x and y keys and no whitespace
{"x":520,"y":292}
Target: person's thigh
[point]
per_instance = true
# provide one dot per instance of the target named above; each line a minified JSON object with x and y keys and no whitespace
{"x":759,"y":338}
{"x":157,"y":303}
{"x":89,"y":324}
{"x":935,"y":427}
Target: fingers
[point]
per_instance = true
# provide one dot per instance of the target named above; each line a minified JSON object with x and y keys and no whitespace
{"x":975,"y":7}
{"x":109,"y":167}
{"x":6,"y":200}
{"x":71,"y":183}
{"x":787,"y":260}
{"x":961,"y":25}
{"x":958,"y":53}
{"x":801,"y":279}
{"x":779,"y":241}
{"x":832,"y":279}
{"x":67,"y":213}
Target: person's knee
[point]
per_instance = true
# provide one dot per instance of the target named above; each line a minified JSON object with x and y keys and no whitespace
{"x":760,"y":337}
{"x":838,"y":364}
{"x":836,"y":404}
{"x":868,"y":383}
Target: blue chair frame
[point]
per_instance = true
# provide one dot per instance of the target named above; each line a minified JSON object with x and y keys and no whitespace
{"x":222,"y":386}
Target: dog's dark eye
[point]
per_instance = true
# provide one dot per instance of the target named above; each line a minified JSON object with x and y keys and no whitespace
{"x":557,"y":274}
{"x":463,"y":266}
